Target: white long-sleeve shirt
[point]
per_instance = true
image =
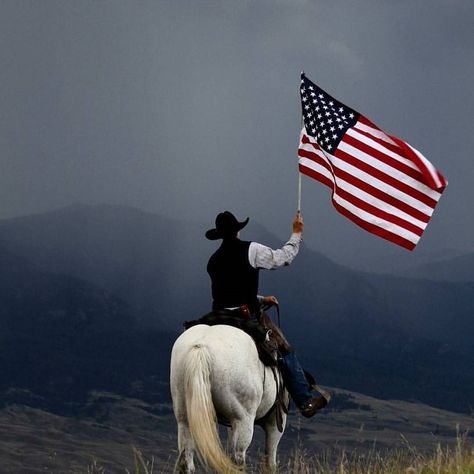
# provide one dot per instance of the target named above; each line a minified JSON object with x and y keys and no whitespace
{"x":261,"y":256}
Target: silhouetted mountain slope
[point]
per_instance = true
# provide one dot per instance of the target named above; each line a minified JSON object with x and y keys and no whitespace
{"x":388,"y":336}
{"x":460,"y":268}
{"x":146,"y":259}
{"x":62,"y":337}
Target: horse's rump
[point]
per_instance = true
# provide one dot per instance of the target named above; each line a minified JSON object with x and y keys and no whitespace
{"x":216,"y":374}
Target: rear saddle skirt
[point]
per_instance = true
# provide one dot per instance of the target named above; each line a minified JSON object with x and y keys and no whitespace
{"x":267,"y":337}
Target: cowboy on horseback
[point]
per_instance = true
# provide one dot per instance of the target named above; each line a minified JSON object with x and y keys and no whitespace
{"x":234,"y":271}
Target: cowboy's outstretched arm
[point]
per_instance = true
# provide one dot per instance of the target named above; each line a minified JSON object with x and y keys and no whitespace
{"x":261,"y":256}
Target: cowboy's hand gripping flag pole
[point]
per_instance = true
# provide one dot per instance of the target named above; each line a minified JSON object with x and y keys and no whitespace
{"x":378,"y":181}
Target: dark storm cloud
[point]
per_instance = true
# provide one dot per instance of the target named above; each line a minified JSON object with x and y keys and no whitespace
{"x":187,"y":108}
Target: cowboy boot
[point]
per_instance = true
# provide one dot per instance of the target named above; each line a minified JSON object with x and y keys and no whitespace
{"x":301,"y":392}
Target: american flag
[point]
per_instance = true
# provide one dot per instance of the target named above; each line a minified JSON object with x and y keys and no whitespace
{"x":378,"y":181}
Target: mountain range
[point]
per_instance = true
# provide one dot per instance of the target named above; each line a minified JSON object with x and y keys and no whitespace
{"x":93,"y":296}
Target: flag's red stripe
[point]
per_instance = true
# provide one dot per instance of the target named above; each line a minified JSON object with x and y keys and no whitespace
{"x":369,"y":189}
{"x":375,"y":211}
{"x":318,"y":176}
{"x":367,"y":122}
{"x":385,"y":234}
{"x":390,"y":146}
{"x":409,"y":153}
{"x":417,"y":214}
{"x":314,"y":157}
{"x":388,"y":160}
{"x":385,"y":178}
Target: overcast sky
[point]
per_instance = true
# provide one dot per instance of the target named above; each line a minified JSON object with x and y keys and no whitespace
{"x":189,"y":108}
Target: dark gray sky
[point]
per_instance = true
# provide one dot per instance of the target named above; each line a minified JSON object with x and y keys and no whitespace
{"x":189,"y":108}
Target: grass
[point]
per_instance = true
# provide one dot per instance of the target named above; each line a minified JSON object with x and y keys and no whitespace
{"x":456,"y":459}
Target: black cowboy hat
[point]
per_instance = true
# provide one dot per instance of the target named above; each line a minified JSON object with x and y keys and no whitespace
{"x":226,"y":226}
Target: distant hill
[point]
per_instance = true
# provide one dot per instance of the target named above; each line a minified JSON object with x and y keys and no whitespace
{"x":388,"y":336}
{"x":61,"y":337}
{"x":139,"y":256}
{"x":460,"y":268}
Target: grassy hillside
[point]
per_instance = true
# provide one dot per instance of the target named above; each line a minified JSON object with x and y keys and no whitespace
{"x":356,"y":431}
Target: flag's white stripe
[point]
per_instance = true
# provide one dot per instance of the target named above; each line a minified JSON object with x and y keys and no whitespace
{"x":365,"y":139}
{"x":376,"y":132}
{"x":387,"y":169}
{"x":431,"y":169}
{"x":363,"y":195}
{"x":371,"y":219}
{"x":382,"y":186}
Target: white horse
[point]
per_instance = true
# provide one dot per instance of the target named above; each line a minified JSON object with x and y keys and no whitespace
{"x":216,"y":374}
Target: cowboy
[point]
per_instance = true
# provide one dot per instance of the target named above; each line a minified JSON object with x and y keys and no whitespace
{"x":234,"y":271}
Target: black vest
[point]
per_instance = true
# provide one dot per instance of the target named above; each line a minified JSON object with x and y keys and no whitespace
{"x":234,"y":280}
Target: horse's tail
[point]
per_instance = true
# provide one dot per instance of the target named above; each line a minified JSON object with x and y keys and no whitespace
{"x":201,"y":414}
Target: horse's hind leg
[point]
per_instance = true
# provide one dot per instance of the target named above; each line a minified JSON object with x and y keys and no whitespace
{"x":241,"y":437}
{"x":272,"y":439}
{"x":185,"y":461}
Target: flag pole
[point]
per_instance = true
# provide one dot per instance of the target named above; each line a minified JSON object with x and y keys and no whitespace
{"x":299,"y":191}
{"x":299,"y":173}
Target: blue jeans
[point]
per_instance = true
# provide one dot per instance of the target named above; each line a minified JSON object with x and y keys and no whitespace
{"x":295,"y":380}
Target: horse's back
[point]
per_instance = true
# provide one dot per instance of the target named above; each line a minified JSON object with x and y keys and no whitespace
{"x":225,"y":343}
